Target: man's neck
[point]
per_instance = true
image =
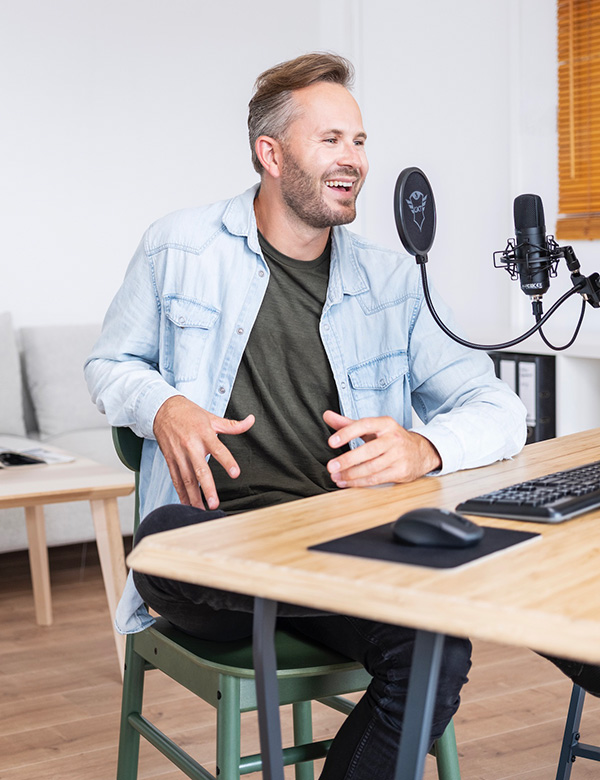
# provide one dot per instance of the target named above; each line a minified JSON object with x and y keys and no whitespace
{"x":286,"y":233}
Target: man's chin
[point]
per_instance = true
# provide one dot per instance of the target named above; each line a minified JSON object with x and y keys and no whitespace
{"x":345,"y":216}
{"x":342,"y":213}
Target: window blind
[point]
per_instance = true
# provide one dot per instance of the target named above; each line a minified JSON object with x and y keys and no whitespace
{"x":578,"y":119}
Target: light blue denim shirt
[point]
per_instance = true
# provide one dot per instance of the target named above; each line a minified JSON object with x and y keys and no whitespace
{"x":180,"y":322}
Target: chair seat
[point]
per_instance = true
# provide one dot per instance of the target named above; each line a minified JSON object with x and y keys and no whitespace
{"x":296,"y":655}
{"x":302,"y":665}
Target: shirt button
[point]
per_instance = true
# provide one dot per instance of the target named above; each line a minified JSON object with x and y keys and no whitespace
{"x":221,"y":390}
{"x":240,"y":331}
{"x":325,"y":328}
{"x":343,"y":385}
{"x":382,"y":382}
{"x":261,"y":273}
{"x":182,"y":320}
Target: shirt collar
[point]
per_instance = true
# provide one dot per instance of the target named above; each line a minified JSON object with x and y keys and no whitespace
{"x":239,"y":218}
{"x":346,"y":274}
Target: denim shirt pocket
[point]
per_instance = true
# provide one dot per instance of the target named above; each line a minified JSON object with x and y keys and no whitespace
{"x":379,"y":385}
{"x":188,"y":322}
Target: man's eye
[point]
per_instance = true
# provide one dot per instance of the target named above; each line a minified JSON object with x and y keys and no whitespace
{"x":330,"y":140}
{"x":359,"y":143}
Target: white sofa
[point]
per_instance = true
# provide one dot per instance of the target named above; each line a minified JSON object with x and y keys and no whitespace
{"x":43,"y":396}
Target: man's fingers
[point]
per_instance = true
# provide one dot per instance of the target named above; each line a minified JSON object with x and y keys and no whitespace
{"x":223,"y":425}
{"x":218,"y":450}
{"x":203,"y":476}
{"x":221,"y":454}
{"x":185,"y":484}
{"x":366,"y":428}
{"x":395,"y":455}
{"x":193,"y":481}
{"x":335,"y":420}
{"x":187,"y":435}
{"x":384,"y":477}
{"x":200,"y":472}
{"x":367,"y":472}
{"x":356,"y":457}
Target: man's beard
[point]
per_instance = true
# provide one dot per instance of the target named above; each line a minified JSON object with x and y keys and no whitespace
{"x":302,"y":194}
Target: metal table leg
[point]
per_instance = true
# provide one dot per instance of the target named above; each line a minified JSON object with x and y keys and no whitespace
{"x":572,"y":747}
{"x":420,"y":701}
{"x":571,"y":734}
{"x":267,"y":695}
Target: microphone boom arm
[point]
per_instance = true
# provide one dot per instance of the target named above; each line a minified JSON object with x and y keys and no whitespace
{"x":587,"y":286}
{"x":422,"y":260}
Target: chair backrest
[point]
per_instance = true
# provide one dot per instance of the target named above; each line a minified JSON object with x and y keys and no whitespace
{"x":129,"y":449}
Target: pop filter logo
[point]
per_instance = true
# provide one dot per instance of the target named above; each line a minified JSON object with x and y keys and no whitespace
{"x":416,"y":203}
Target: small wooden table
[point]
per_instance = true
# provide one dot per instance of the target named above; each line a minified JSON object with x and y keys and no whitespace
{"x":82,"y":479}
{"x":544,"y":594}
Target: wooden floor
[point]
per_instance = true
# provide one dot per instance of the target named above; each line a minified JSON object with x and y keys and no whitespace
{"x":60,"y":695}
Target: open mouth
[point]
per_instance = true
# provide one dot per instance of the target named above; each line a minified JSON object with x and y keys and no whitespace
{"x":339,"y":185}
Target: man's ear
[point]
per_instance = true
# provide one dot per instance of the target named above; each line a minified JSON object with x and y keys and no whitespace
{"x":270,"y":154}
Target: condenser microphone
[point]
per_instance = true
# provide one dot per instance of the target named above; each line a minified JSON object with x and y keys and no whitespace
{"x":532,"y":258}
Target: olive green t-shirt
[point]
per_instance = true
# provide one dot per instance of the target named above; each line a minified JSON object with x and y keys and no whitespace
{"x":285,"y":380}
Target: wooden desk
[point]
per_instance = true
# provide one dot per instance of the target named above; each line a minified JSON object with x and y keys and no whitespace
{"x":544,"y":595}
{"x":80,"y":480}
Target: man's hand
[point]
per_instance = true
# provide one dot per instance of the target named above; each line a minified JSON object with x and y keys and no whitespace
{"x":186,"y":434}
{"x":390,"y":452}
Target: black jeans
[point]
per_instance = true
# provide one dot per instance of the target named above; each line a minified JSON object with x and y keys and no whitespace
{"x":366,"y":745}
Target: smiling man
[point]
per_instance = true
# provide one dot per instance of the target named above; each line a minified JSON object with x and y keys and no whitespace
{"x":267,"y":354}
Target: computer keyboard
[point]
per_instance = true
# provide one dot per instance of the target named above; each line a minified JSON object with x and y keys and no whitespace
{"x":549,"y":499}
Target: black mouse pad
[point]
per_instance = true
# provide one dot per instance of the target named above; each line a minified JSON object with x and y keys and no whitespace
{"x":378,"y":543}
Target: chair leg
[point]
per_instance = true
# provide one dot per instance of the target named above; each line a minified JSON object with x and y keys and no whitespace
{"x":133,"y":694}
{"x":228,"y":729}
{"x":303,"y":734}
{"x":446,"y":755}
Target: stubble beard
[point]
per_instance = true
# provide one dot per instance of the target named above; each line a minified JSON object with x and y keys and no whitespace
{"x":302,"y":194}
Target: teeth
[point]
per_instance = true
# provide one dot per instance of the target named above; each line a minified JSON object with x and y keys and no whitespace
{"x":335,"y":183}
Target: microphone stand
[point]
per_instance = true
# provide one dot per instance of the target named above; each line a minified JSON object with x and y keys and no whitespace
{"x":587,"y":286}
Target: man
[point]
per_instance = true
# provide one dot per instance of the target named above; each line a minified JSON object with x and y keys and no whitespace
{"x":266,"y":353}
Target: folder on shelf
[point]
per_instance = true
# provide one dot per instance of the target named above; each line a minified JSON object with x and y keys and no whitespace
{"x":533,"y":378}
{"x":508,"y":373}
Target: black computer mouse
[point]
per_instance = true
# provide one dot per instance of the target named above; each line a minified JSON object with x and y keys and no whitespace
{"x":431,"y":527}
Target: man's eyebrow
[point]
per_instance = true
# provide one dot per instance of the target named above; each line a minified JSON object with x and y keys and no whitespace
{"x":333,"y":131}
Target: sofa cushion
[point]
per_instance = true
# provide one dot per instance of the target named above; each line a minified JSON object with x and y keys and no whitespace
{"x":54,"y":358}
{"x":93,"y":443}
{"x":11,"y":398}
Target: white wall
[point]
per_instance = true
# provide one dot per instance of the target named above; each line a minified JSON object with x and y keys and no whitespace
{"x":535,"y":166}
{"x":436,"y":95}
{"x":116,"y":113}
{"x":113,"y":114}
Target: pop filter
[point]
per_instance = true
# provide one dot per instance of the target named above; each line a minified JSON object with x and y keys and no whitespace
{"x":414,"y":211}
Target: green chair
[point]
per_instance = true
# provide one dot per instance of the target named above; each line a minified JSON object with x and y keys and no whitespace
{"x":222,"y":674}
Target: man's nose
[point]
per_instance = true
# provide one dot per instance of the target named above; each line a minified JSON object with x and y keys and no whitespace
{"x":352,"y":156}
